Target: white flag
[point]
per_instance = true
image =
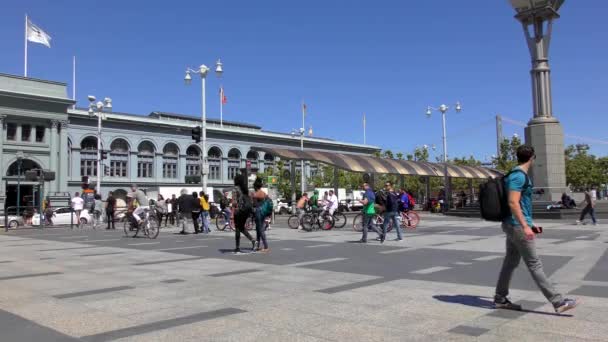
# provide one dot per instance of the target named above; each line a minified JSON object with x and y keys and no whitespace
{"x":36,"y":35}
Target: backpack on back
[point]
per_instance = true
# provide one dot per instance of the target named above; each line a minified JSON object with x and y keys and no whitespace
{"x":494,"y":198}
{"x":411,"y":200}
{"x":266,"y":207}
{"x":244,"y":205}
{"x":381,"y":198}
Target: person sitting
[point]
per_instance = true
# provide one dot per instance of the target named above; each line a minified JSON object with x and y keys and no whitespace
{"x":568,"y":202}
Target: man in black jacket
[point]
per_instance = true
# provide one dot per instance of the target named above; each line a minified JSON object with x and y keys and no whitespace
{"x":186,"y":205}
{"x":392,"y":209}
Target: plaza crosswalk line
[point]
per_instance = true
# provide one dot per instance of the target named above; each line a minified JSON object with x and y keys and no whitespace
{"x":102,"y":240}
{"x":396,"y":251}
{"x":489,"y":257}
{"x":323,"y":245}
{"x":431,"y":270}
{"x":462,"y":263}
{"x":314,"y":262}
{"x":178,"y":248}
{"x":143,"y":243}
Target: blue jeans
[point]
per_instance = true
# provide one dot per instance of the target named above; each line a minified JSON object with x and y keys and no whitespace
{"x":227,"y":215}
{"x":391,"y":216}
{"x":368,"y":224}
{"x":588,"y":210}
{"x":205,"y":221}
{"x":259,"y":227}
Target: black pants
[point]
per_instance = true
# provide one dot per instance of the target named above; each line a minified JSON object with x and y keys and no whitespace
{"x":239,"y":227}
{"x":110,"y":218}
{"x":195,"y":215}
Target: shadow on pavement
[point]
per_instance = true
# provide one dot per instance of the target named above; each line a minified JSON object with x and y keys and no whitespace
{"x":487,"y":303}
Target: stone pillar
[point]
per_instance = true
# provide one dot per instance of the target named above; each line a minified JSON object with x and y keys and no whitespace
{"x":54,"y":157}
{"x":3,"y":167}
{"x":224,"y":168}
{"x":181,"y":169}
{"x":62,"y":164}
{"x":132,"y":166}
{"x":158,"y":168}
{"x":548,"y":171}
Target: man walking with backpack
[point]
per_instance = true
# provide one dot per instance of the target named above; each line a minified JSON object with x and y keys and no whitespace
{"x":390,"y":215}
{"x":520,"y":233}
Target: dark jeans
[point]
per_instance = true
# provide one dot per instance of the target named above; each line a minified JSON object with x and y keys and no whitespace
{"x":239,"y":227}
{"x":259,"y":227}
{"x":110,"y":218}
{"x":391,"y":216}
{"x":195,"y":215}
{"x":519,"y":248}
{"x":369,"y":224}
{"x":588,"y":210}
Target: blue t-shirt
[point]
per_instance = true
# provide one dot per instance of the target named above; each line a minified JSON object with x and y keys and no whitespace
{"x":516,"y":182}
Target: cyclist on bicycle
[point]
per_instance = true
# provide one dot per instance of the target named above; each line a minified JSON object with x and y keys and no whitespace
{"x":142,"y":202}
{"x":314,"y":200}
{"x":404,"y":200}
{"x":332,"y":203}
{"x":301,"y":208}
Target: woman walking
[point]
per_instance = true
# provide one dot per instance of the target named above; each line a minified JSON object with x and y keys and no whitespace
{"x":161,"y":210}
{"x":242,"y":212}
{"x":110,"y":206}
{"x":259,"y":197}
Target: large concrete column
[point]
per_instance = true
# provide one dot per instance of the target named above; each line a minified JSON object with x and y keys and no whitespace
{"x":3,"y":167}
{"x":158,"y":168}
{"x":53,"y":140}
{"x":62,"y":146}
{"x":181,"y":168}
{"x":132,"y":165}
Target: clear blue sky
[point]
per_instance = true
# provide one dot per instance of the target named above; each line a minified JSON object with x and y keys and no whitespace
{"x":389,"y":59}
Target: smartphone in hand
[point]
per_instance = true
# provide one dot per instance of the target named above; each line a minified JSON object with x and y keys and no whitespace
{"x":537,"y":230}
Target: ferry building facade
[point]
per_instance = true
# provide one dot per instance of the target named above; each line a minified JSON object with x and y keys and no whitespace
{"x":41,"y":130}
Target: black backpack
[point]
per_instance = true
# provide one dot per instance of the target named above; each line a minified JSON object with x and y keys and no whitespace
{"x":494,"y":199}
{"x":381,"y":197}
{"x":244,"y":205}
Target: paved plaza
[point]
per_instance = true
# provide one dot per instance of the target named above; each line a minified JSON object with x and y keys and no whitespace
{"x":437,"y":285}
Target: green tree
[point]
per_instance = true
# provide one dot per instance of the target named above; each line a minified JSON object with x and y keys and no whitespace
{"x":399,"y":156}
{"x":508,"y":154}
{"x":584,"y":169}
{"x":388,"y":154}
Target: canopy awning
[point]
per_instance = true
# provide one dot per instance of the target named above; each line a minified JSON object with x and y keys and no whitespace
{"x":365,"y":163}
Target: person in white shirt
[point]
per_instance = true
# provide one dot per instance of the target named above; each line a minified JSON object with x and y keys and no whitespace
{"x":142,"y":202}
{"x":332,"y":203}
{"x":77,"y":206}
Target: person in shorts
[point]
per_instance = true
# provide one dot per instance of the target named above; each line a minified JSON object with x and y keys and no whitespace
{"x":77,"y":206}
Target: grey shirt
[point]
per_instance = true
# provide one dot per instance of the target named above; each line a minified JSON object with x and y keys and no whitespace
{"x":141,"y":198}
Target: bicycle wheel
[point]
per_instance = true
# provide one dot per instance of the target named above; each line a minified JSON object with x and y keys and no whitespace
{"x":220,"y":222}
{"x":152,"y":227}
{"x":327,"y":222}
{"x":339,"y":220}
{"x":127,"y":227}
{"x":412,"y":218}
{"x":358,"y":223}
{"x":293,"y":222}
{"x":308,"y":222}
{"x":379,"y":222}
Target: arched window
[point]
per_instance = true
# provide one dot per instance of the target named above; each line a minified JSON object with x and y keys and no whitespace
{"x":234,"y":163}
{"x":193,"y":161}
{"x":268,"y":161}
{"x":119,"y":158}
{"x":88,"y":157}
{"x":145,"y":160}
{"x":214,"y":158}
{"x":252,"y":157}
{"x":26,"y":164}
{"x":170,"y":156}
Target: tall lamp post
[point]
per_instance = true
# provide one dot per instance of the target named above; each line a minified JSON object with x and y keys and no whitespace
{"x":97,"y":109}
{"x":301,"y":132}
{"x":203,"y":70}
{"x":20,"y":156}
{"x":444,"y":109}
{"x":544,"y":131}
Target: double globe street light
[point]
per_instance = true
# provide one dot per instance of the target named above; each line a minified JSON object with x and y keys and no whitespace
{"x":97,"y":109}
{"x":444,"y":109}
{"x":202,"y":71}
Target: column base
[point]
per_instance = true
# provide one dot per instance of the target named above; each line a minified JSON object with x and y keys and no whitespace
{"x":549,"y":170}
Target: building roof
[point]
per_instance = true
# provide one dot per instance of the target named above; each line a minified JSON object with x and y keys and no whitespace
{"x":170,"y":115}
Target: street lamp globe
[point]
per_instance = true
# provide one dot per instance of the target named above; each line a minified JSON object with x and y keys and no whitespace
{"x":203,"y":70}
{"x":429,"y":112}
{"x":107,"y":103}
{"x":443,"y":108}
{"x":218,"y":68}
{"x":458,"y":107}
{"x":188,"y":78}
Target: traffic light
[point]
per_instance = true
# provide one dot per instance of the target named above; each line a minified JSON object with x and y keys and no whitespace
{"x":104,"y":155}
{"x":196,"y":134}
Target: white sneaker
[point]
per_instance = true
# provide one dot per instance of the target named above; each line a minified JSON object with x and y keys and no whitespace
{"x":578,"y":222}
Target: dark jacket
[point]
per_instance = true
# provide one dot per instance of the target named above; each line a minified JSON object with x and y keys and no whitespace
{"x":187,"y":204}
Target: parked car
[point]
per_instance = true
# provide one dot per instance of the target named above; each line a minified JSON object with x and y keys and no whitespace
{"x":282,"y":207}
{"x":62,"y":216}
{"x":13,"y":221}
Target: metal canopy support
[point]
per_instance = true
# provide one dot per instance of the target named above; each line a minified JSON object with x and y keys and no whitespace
{"x":292,"y":177}
{"x":336,"y":180}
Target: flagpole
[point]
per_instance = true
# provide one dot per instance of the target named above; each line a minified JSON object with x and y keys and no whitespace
{"x":222,"y":106}
{"x":25,"y":55}
{"x":74,"y":81}
{"x":364,"y":129}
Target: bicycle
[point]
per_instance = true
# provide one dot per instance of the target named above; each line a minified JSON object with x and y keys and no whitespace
{"x":409,"y":219}
{"x":339,"y":220}
{"x":377,"y":220}
{"x":294,"y":221}
{"x":220,"y":223}
{"x":149,"y":225}
{"x":320,"y":219}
